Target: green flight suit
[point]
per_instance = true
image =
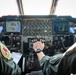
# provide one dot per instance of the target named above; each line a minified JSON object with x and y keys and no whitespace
{"x":59,"y":64}
{"x":50,"y":64}
{"x":68,"y":64}
{"x":7,"y":65}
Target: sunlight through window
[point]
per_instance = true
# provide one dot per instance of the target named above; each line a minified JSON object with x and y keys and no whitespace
{"x":37,"y":7}
{"x":8,"y":7}
{"x":66,"y":7}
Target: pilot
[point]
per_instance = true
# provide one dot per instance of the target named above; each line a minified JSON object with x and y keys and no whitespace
{"x":7,"y":65}
{"x":59,"y":64}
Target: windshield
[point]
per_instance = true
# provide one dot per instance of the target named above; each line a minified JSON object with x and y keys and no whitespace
{"x":8,"y":7}
{"x":38,"y":7}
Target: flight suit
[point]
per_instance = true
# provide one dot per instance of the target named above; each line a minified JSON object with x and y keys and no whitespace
{"x":68,"y":64}
{"x":59,"y":64}
{"x":7,"y":65}
{"x":50,"y":64}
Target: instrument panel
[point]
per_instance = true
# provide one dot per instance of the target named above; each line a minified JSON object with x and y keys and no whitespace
{"x":29,"y":27}
{"x":37,"y":26}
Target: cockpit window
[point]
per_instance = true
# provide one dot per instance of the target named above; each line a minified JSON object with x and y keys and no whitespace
{"x":8,"y":7}
{"x":38,"y":7}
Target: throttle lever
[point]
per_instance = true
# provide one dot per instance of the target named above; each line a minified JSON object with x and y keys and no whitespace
{"x":38,"y":38}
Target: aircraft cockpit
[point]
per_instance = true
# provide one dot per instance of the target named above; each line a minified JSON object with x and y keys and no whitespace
{"x":19,"y":32}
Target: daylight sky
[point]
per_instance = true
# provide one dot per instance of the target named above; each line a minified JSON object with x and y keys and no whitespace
{"x":66,"y":7}
{"x":38,"y":7}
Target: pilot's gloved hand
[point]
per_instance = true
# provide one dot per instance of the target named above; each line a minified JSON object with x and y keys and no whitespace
{"x":38,"y":45}
{"x":7,"y":65}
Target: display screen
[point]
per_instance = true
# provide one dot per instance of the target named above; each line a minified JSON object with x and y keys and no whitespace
{"x":60,"y":27}
{"x":1,"y":27}
{"x":73,"y":29}
{"x":13,"y":26}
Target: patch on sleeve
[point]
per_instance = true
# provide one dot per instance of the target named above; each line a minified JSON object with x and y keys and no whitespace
{"x":5,"y":52}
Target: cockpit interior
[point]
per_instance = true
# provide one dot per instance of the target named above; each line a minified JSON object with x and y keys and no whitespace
{"x":23,"y":22}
